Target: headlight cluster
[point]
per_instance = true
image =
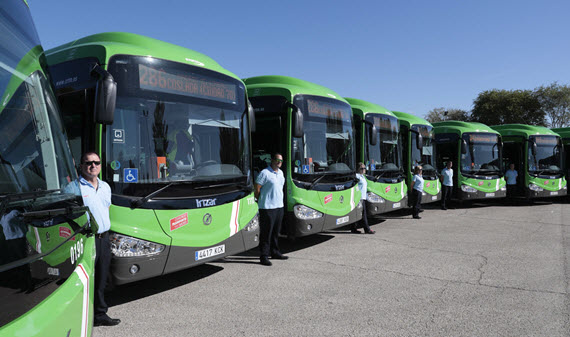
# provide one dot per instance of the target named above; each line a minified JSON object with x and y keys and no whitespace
{"x":305,"y":213}
{"x":253,"y":224}
{"x":536,"y":188}
{"x":504,"y":188}
{"x":359,"y":206}
{"x":374,"y":198}
{"x":468,"y":189}
{"x":565,"y":187}
{"x":127,"y":246}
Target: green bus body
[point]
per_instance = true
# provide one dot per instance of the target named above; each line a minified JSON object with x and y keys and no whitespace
{"x":565,"y":135}
{"x":476,"y":152}
{"x":387,"y":187}
{"x":410,"y":127}
{"x":321,"y":190}
{"x":177,"y":154}
{"x":540,"y":170}
{"x":47,"y":249}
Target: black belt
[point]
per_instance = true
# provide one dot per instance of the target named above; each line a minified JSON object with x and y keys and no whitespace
{"x":101,"y":235}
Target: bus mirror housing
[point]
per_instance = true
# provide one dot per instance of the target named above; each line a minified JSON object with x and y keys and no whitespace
{"x":463,"y":147}
{"x":373,"y":135}
{"x":419,"y":141}
{"x":251,"y":116}
{"x":105,"y":96}
{"x":532,"y":145}
{"x":296,"y":121}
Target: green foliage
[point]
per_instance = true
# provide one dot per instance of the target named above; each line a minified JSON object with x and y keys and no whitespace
{"x":555,"y":103}
{"x":443,"y":114}
{"x":495,"y":107}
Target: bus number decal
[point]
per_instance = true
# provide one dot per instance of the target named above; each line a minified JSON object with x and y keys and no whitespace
{"x":251,"y":200}
{"x":75,"y":251}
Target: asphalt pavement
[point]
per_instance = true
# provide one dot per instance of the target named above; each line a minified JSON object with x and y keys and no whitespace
{"x":478,"y":270}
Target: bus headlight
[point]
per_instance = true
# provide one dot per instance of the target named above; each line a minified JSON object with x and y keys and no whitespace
{"x":359,"y":206}
{"x":127,"y":246}
{"x":536,"y":188}
{"x":253,"y":224}
{"x":468,"y":189}
{"x":374,"y":198}
{"x":504,"y":188}
{"x":305,"y":213}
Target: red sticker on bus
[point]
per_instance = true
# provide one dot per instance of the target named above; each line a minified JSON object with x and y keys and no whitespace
{"x":65,"y":232}
{"x":546,"y":182}
{"x":179,"y":221}
{"x":387,"y":189}
{"x":328,"y":198}
{"x":480,"y":183}
{"x":428,"y":183}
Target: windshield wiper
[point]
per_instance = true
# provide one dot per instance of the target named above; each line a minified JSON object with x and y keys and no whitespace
{"x":139,"y":202}
{"x":240,"y":185}
{"x":8,"y":198}
{"x":314,"y":182}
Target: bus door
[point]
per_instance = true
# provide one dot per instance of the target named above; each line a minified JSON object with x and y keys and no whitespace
{"x":513,"y":154}
{"x":448,"y":147}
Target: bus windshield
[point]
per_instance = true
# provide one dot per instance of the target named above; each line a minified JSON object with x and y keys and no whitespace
{"x":175,"y":122}
{"x":384,"y":159}
{"x":483,"y":154}
{"x":425,"y":158}
{"x":328,"y":141}
{"x":546,"y":158}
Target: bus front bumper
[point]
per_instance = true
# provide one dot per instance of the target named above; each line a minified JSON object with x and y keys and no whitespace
{"x":481,"y":195}
{"x":546,"y":194}
{"x":298,"y":227}
{"x":374,"y":208}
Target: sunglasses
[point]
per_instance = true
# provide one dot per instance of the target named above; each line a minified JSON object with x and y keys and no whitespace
{"x":89,"y":163}
{"x":278,"y":160}
{"x":362,"y":168}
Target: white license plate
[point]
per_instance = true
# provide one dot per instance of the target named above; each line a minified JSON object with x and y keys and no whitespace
{"x":487,"y":195}
{"x":396,"y":205}
{"x":554,"y":193}
{"x":342,"y":220}
{"x":209,"y":252}
{"x":434,"y":197}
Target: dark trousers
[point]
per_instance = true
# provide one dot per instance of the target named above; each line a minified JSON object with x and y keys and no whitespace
{"x":417,"y":202}
{"x":511,"y":191}
{"x":445,"y":196}
{"x":364,"y":221}
{"x":269,"y":228}
{"x":102,"y":266}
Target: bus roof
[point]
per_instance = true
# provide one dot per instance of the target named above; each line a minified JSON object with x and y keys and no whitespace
{"x":105,"y":45}
{"x":293,"y":85}
{"x":409,"y":119}
{"x":461,"y":127}
{"x":522,"y":130}
{"x":563,"y":132}
{"x":367,"y":107}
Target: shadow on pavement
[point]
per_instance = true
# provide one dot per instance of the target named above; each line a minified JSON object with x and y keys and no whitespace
{"x":141,"y":289}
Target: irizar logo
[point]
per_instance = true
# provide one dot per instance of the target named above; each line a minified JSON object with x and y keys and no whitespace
{"x":205,"y":202}
{"x":198,"y":63}
{"x":339,"y":187}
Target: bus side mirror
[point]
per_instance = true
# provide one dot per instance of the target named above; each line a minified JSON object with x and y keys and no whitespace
{"x":296,"y":121}
{"x":463,"y":147}
{"x":105,"y":96}
{"x":419,"y":141}
{"x":373,"y":135}
{"x":533,"y":148}
{"x":251,"y":116}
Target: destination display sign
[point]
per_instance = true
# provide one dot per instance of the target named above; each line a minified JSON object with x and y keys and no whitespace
{"x":483,"y":138}
{"x":382,"y":122}
{"x":328,"y":110}
{"x":187,"y":84}
{"x":546,"y":140}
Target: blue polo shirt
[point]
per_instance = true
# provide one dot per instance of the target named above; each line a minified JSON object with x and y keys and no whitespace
{"x":271,"y":193}
{"x":447,"y":176}
{"x":511,"y":176}
{"x":362,"y":185}
{"x":418,"y":182}
{"x":98,"y":200}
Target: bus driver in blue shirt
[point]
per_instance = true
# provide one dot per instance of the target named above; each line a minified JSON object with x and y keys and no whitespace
{"x":269,"y":194}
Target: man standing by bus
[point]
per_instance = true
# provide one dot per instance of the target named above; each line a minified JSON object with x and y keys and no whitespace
{"x":511,"y":177}
{"x":269,"y":194}
{"x":447,"y":184}
{"x":97,"y":196}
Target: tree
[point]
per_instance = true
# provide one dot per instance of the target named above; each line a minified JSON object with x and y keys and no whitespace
{"x":439,"y":115}
{"x":495,"y":107}
{"x":555,"y":103}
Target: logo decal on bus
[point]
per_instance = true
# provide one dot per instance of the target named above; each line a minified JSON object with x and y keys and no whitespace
{"x":179,"y":221}
{"x":341,"y":199}
{"x":328,"y":198}
{"x":205,"y":202}
{"x":387,"y":189}
{"x":339,"y":187}
{"x":207,"y":219}
{"x":480,"y":183}
{"x":546,"y":182}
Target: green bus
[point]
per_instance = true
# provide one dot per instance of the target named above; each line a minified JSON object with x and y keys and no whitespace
{"x":536,"y":153}
{"x":564,"y":133}
{"x":378,"y":146}
{"x":174,"y":138}
{"x":476,"y":152}
{"x":313,"y":128}
{"x":418,"y":143}
{"x":47,"y":249}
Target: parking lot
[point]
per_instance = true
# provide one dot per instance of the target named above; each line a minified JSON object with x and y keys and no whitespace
{"x":478,"y":270}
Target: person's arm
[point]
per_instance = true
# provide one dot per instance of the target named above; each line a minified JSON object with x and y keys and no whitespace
{"x":256,"y":190}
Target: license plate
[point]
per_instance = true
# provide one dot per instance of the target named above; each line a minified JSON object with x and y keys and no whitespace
{"x":396,"y":205}
{"x":209,"y":252}
{"x":434,"y":197}
{"x":489,"y":195}
{"x":554,"y":193}
{"x":342,"y":220}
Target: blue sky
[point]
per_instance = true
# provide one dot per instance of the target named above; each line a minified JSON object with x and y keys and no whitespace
{"x":410,"y":56}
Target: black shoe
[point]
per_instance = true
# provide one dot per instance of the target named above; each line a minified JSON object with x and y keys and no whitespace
{"x":279,"y":257}
{"x":421,"y":210}
{"x":417,"y":217}
{"x":370,"y":232}
{"x":107,"y":321}
{"x":355,"y":231}
{"x":265,"y":261}
{"x":444,"y":208}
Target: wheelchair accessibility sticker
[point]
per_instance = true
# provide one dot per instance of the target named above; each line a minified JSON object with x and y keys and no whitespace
{"x":130,"y":175}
